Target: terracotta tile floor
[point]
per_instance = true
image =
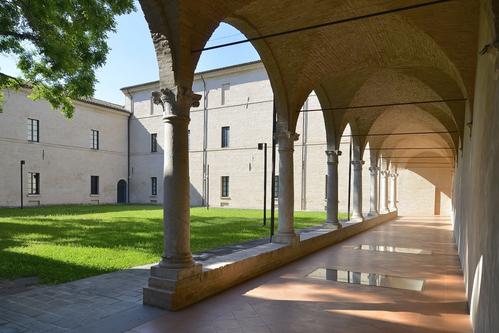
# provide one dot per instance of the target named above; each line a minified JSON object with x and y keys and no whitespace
{"x":285,"y":300}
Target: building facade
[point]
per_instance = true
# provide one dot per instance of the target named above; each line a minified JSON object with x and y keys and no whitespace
{"x":109,"y":154}
{"x":226,"y":167}
{"x":82,"y":160}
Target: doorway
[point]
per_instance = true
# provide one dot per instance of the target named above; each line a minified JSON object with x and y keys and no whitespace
{"x":121,"y":191}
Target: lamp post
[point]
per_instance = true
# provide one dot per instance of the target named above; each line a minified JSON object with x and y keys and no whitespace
{"x":349,"y":179}
{"x":263,"y":146}
{"x":272,"y":190}
{"x":22,"y":194}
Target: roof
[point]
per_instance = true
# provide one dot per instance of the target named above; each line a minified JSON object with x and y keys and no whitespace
{"x":197,"y":73}
{"x":99,"y":102}
{"x":87,"y":100}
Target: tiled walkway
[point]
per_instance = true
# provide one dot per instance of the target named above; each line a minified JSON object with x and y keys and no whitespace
{"x":286,"y":300}
{"x":109,"y":303}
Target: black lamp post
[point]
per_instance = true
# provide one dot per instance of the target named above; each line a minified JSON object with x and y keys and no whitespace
{"x":22,"y":194}
{"x":263,"y":146}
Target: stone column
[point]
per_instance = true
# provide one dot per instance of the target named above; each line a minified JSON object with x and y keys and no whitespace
{"x":357,"y":192}
{"x":176,"y":261}
{"x":373,"y":199}
{"x":383,"y":200}
{"x":393,"y":191}
{"x":332,"y":189}
{"x":286,"y":233}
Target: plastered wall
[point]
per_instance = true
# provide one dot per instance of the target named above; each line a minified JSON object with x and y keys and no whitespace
{"x":476,"y":188}
{"x":62,"y":156}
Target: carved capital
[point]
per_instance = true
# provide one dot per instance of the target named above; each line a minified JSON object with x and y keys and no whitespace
{"x":288,"y":135}
{"x":357,"y":164}
{"x":332,"y":156}
{"x":178,"y":104}
{"x":374,"y":170}
{"x":286,"y":139}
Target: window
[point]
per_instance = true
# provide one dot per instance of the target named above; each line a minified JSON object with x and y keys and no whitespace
{"x":225,"y":89}
{"x":33,"y":130}
{"x":95,"y":139}
{"x":225,"y":136}
{"x":225,"y":186}
{"x":94,"y":185}
{"x":154,"y":142}
{"x":276,"y":186}
{"x":154,"y":186}
{"x":34,"y":183}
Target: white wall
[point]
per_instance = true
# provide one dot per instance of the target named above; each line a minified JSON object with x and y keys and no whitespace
{"x":248,"y":113}
{"x":424,"y":192}
{"x":63,"y":156}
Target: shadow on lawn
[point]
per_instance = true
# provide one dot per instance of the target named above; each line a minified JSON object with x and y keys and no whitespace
{"x":47,"y":270}
{"x":144,"y":234}
{"x":139,"y":234}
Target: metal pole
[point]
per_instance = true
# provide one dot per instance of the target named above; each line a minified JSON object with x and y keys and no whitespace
{"x":208,"y":187}
{"x":349,"y":178}
{"x":272,"y":201}
{"x":205,"y":142}
{"x":265,"y":184}
{"x":22,"y":194}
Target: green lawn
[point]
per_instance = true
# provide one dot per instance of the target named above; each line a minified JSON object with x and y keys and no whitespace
{"x":65,"y":243}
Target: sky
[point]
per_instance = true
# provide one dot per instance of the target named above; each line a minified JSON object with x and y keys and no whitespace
{"x":132,"y":60}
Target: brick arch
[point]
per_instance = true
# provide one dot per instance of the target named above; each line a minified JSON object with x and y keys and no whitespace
{"x":330,"y":122}
{"x":298,"y":63}
{"x":410,"y":119}
{"x":392,"y":86}
{"x":271,"y":66}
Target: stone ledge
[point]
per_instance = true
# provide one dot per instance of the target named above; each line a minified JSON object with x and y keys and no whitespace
{"x":223,"y":272}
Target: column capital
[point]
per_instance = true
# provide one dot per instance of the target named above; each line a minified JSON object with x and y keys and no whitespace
{"x":286,"y":139}
{"x":393,"y":174}
{"x":176,"y":104}
{"x":385,"y":173}
{"x":332,"y":156}
{"x":357,"y":164}
{"x":287,"y":135}
{"x":374,"y":170}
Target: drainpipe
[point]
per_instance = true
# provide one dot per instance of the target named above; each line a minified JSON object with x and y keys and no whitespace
{"x":128,"y":146}
{"x":205,"y":144}
{"x":304,"y":158}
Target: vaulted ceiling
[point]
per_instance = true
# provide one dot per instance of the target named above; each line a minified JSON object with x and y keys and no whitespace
{"x":421,"y":54}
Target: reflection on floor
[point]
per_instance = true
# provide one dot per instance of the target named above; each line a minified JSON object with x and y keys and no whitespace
{"x":367,"y":279}
{"x":387,"y":248}
{"x":286,"y":300}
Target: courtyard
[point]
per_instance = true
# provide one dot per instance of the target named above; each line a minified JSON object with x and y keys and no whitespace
{"x":112,"y":302}
{"x":137,"y":137}
{"x":65,"y":243}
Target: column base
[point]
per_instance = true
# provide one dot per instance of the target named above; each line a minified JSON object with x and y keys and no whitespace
{"x":357,"y":218}
{"x":286,"y":238}
{"x":168,"y":288}
{"x":372,"y":214}
{"x":332,"y":225}
{"x":384,"y":211}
